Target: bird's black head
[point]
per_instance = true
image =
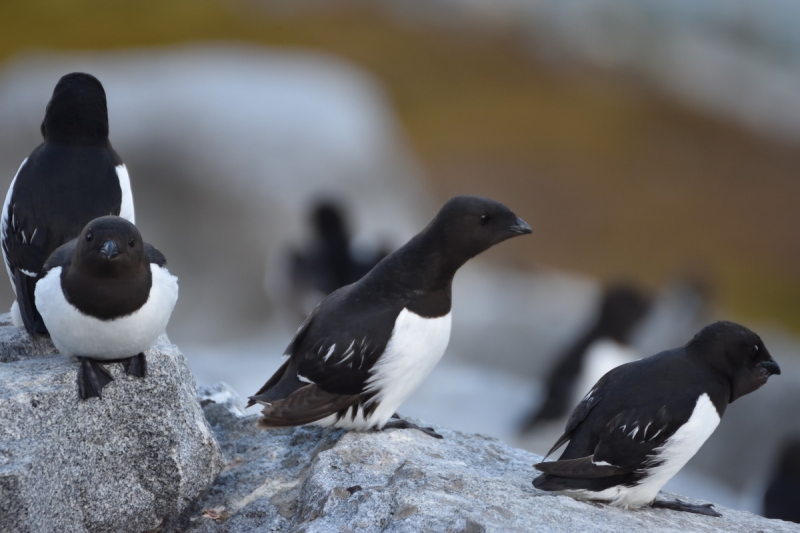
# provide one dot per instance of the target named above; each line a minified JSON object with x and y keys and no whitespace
{"x":110,"y":246}
{"x":737,"y":353}
{"x":77,"y":112}
{"x":468,"y":225}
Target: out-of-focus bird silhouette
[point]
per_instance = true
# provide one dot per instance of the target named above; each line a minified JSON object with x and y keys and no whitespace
{"x":623,"y":307}
{"x":782,"y":498}
{"x":327,"y":262}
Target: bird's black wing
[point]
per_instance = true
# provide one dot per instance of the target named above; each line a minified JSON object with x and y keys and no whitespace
{"x":626,"y":444}
{"x":154,"y":256}
{"x":583,"y":409}
{"x":330,"y":359}
{"x":61,"y":257}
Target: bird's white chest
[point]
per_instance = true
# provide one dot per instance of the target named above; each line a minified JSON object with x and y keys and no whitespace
{"x":78,"y":334}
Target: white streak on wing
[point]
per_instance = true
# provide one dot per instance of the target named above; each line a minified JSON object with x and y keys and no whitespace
{"x":24,"y":238}
{"x":633,"y":433}
{"x":126,"y":207}
{"x":601,"y":463}
{"x":304,"y":379}
{"x":4,"y":223}
{"x":330,"y":352}
{"x":657,"y":434}
{"x":644,"y":433}
{"x":622,"y":427}
{"x":348,"y":353}
{"x":35,"y":230}
{"x":28,"y":273}
{"x":77,"y":334}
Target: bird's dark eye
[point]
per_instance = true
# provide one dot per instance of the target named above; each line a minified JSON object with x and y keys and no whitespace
{"x":485,"y":219}
{"x":132,"y":243}
{"x":89,"y":236}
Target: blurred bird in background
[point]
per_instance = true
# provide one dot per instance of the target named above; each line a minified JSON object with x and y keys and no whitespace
{"x":603,"y":346}
{"x":782,"y":498}
{"x":329,"y":260}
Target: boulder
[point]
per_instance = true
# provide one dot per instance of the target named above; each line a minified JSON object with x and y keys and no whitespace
{"x":125,"y":463}
{"x":319,"y":480}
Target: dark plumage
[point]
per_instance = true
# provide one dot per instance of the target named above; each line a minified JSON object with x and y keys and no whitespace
{"x":106,"y":296}
{"x":71,"y":178}
{"x":644,"y":420}
{"x":368,"y":345}
{"x":330,"y":262}
{"x":622,"y":308}
{"x":782,"y":498}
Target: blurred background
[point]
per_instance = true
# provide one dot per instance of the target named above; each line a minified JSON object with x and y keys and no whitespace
{"x":277,"y":149}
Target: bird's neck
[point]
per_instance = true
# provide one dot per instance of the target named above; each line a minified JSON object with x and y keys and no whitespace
{"x":418,"y":274}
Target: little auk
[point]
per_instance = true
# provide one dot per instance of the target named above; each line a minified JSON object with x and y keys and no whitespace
{"x":105,"y":297}
{"x":367,"y":346}
{"x":643,"y":421}
{"x":73,"y":177}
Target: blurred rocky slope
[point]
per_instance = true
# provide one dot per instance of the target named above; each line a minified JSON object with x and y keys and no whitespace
{"x":226,"y":148}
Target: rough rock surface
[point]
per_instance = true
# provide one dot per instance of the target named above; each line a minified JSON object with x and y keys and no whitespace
{"x":124,"y":463}
{"x":322,"y":480}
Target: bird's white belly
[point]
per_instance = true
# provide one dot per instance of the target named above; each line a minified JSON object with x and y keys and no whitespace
{"x":674,"y":454}
{"x":416,"y":345}
{"x":80,"y":335}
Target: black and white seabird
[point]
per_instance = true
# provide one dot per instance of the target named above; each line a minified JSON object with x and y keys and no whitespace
{"x":362,"y":352}
{"x":106,"y":296}
{"x":642,"y":422}
{"x":623,"y":306}
{"x":74,"y":176}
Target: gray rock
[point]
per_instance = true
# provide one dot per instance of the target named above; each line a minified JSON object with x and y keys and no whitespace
{"x":124,"y":463}
{"x":321,"y":480}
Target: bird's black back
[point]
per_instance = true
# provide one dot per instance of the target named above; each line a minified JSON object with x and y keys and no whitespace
{"x":59,"y":189}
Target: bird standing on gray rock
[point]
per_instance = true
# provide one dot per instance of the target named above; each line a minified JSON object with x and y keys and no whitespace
{"x":362,"y":352}
{"x":71,"y":178}
{"x":106,"y":296}
{"x":643,"y":421}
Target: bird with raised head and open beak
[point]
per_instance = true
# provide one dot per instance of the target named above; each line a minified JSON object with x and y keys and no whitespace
{"x":367,"y":346}
{"x":643,"y":421}
{"x":73,"y":177}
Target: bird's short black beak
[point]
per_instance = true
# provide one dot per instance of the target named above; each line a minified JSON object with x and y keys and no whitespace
{"x":110,"y":250}
{"x":770,"y":366}
{"x":521,"y":227}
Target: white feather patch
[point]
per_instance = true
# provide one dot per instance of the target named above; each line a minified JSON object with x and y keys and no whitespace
{"x":4,"y":225}
{"x":126,"y":207}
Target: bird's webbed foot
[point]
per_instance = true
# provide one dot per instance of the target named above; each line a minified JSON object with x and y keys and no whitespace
{"x":92,"y":377}
{"x":135,"y":365}
{"x":677,"y":505}
{"x":398,"y":423}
